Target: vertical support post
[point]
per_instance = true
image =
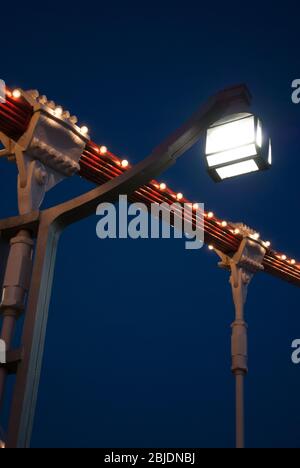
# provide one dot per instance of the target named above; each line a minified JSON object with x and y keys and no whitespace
{"x":33,"y":338}
{"x":15,"y":287}
{"x":239,"y":347}
{"x":243,"y":265}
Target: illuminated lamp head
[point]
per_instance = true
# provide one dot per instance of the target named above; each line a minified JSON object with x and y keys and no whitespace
{"x":236,"y":145}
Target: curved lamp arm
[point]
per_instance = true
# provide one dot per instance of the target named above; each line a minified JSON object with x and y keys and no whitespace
{"x":233,"y":99}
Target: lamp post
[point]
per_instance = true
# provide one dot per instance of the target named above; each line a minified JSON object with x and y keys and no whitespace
{"x":48,"y":146}
{"x":236,"y":145}
{"x":48,"y":150}
{"x":242,"y":265}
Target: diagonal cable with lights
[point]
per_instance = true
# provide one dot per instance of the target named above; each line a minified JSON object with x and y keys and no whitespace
{"x":99,"y":165}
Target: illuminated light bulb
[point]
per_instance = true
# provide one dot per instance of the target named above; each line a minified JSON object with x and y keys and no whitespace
{"x":124,"y":163}
{"x":236,"y":231}
{"x":293,"y":261}
{"x":52,"y":105}
{"x":195,"y":206}
{"x":210,"y":215}
{"x":73,"y":119}
{"x":211,"y":247}
{"x":84,"y":130}
{"x":58,"y":111}
{"x":43,"y":99}
{"x":103,"y":149}
{"x":283,"y":257}
{"x":256,"y":236}
{"x":34,"y":93}
{"x":179,"y":196}
{"x":267,"y":244}
{"x":224,"y":223}
{"x":162,"y":186}
{"x":16,"y":93}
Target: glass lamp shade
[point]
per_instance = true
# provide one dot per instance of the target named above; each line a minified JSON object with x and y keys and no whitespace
{"x":236,"y":145}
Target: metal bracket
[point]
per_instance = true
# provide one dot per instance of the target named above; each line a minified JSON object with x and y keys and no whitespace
{"x":7,"y":143}
{"x":47,"y":153}
{"x":242,"y":265}
{"x":32,"y":174}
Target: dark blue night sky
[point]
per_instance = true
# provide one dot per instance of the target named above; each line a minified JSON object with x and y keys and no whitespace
{"x":138,"y":343}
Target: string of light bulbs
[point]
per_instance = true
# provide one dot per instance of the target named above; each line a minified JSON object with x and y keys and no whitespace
{"x":98,"y":165}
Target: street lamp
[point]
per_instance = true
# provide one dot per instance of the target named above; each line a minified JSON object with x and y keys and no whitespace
{"x":48,"y":146}
{"x":236,"y":145}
